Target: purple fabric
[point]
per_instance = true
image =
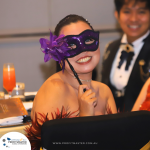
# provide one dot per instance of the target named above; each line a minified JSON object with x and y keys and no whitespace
{"x":80,"y":42}
{"x":55,"y":48}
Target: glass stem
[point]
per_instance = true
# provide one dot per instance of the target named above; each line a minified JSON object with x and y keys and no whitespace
{"x":9,"y":94}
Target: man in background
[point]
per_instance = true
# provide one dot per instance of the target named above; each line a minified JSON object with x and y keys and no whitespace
{"x":126,"y":61}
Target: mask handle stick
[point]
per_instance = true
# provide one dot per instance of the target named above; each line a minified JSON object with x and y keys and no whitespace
{"x":75,"y":74}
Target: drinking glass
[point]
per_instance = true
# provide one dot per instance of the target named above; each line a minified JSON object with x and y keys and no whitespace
{"x":9,"y":79}
{"x":18,"y":91}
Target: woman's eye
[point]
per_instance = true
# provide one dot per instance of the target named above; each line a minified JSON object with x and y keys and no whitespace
{"x":72,"y":46}
{"x":89,"y":41}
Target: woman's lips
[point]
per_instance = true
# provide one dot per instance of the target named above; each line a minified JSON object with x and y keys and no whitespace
{"x":84,"y":60}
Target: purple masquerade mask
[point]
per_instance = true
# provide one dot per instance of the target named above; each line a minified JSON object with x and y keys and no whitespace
{"x":88,"y":40}
{"x":61,"y":47}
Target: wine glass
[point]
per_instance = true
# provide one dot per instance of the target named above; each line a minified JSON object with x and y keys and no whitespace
{"x":9,"y":79}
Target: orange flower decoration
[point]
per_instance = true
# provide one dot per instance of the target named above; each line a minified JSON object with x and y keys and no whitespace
{"x":33,"y":131}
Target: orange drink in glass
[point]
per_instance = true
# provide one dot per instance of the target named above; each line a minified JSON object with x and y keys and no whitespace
{"x":9,"y":79}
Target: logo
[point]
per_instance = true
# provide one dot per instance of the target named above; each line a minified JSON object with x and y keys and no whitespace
{"x":14,"y":141}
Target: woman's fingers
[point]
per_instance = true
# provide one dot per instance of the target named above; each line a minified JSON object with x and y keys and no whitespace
{"x":87,"y":101}
{"x":87,"y":96}
{"x":82,"y":87}
{"x":93,"y":101}
{"x":90,"y":94}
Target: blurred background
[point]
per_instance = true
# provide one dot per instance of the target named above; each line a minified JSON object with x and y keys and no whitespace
{"x":24,"y":22}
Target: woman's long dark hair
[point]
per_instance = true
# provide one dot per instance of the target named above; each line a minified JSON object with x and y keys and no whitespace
{"x":68,"y":20}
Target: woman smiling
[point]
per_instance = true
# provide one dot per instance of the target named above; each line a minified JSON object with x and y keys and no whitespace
{"x":62,"y":89}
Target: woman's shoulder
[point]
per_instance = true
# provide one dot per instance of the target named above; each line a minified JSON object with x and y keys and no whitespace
{"x":148,"y":81}
{"x":53,"y":83}
{"x":51,"y":95}
{"x":103,"y":90}
{"x":101,"y":86}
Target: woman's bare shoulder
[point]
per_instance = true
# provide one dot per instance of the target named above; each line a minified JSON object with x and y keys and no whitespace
{"x":142,"y":96}
{"x":103,"y":88}
{"x":148,"y":81}
{"x":50,"y":96}
{"x":53,"y":86}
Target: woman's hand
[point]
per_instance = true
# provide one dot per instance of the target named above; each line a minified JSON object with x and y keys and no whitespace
{"x":87,"y":101}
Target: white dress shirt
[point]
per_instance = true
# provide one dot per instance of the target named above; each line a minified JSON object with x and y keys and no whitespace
{"x":119,"y":77}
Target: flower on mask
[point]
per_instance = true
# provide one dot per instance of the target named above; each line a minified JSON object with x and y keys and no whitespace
{"x":56,"y":48}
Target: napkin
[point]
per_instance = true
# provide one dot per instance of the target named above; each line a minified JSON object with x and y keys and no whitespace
{"x":11,"y":120}
{"x":26,"y":94}
{"x":28,"y":105}
{"x":30,"y":93}
{"x":29,"y":96}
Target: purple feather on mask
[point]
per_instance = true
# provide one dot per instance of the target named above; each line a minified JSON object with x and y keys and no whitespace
{"x":56,"y":48}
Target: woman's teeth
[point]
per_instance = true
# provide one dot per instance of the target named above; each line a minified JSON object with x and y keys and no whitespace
{"x":133,"y":26}
{"x":84,"y":59}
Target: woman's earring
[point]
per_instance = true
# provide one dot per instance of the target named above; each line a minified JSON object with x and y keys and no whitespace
{"x":60,"y":65}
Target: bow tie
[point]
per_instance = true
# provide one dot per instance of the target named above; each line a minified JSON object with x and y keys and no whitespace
{"x":126,"y":54}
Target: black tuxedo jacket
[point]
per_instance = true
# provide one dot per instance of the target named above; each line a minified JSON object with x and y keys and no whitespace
{"x":135,"y":81}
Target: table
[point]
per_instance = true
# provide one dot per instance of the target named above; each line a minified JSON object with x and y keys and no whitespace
{"x":13,"y":128}
{"x":19,"y":127}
